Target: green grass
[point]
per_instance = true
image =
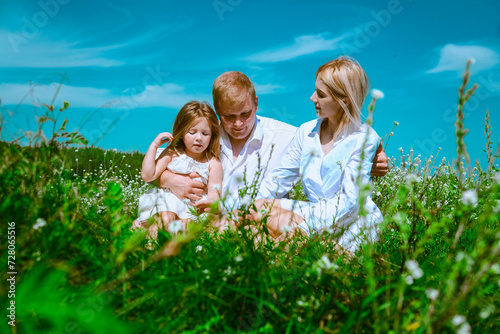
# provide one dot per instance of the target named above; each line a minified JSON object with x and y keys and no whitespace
{"x":85,"y":272}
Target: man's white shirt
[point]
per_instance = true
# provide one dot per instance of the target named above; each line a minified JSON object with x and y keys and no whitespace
{"x":262,"y":153}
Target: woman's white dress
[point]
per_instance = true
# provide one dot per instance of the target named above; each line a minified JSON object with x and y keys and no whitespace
{"x":156,"y":199}
{"x":330,"y":182}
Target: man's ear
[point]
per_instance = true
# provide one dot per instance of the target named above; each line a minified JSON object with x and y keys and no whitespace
{"x":257,"y":102}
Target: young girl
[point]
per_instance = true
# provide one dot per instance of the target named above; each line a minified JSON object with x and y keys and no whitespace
{"x":194,"y":147}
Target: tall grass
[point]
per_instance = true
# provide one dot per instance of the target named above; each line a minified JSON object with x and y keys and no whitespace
{"x":81,"y":270}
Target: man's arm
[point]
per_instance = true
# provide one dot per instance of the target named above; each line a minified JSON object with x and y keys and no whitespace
{"x":380,"y":165}
{"x":181,"y":185}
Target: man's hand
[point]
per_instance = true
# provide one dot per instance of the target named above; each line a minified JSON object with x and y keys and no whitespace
{"x":183,"y":186}
{"x":380,"y":165}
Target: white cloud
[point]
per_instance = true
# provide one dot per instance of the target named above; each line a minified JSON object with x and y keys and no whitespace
{"x":269,"y":88}
{"x":168,"y":95}
{"x":20,"y":51}
{"x":302,"y":45}
{"x":453,"y":58}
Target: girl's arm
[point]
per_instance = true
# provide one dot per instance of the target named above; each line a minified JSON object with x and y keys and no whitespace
{"x":214,"y":185}
{"x":214,"y":180}
{"x":151,"y":167}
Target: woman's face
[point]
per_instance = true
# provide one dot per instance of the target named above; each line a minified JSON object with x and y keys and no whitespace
{"x":326,"y":105}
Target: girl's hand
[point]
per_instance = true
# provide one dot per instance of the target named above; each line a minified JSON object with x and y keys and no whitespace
{"x":204,"y":206}
{"x":162,"y":138}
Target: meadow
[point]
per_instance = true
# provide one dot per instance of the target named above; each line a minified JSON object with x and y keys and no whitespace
{"x":434,"y":269}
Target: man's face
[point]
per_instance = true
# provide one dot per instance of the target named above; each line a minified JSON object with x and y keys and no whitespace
{"x":238,"y":121}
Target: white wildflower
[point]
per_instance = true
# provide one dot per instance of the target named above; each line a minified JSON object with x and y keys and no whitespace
{"x":495,"y":268}
{"x":485,"y":312}
{"x":175,"y":226}
{"x":432,"y":294}
{"x":326,"y":264}
{"x":408,"y":279}
{"x":391,"y":134}
{"x":40,"y":222}
{"x":246,"y":200}
{"x":115,"y":150}
{"x":229,"y":271}
{"x":377,"y":94}
{"x":216,"y":187}
{"x":415,"y":271}
{"x":411,"y":178}
{"x":396,"y":123}
{"x":238,"y":258}
{"x":263,"y":211}
{"x":199,"y":248}
{"x":464,"y":329}
{"x":400,"y":149}
{"x":206,"y":271}
{"x":458,"y":320}
{"x":469,"y":197}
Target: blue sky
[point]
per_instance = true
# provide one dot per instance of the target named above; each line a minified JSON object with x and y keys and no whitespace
{"x":128,"y":66}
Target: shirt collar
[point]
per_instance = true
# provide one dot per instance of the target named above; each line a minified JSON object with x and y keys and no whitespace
{"x":352,"y":128}
{"x":256,"y":136}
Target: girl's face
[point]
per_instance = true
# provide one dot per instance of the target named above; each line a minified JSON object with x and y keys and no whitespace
{"x":197,"y":138}
{"x":326,"y":105}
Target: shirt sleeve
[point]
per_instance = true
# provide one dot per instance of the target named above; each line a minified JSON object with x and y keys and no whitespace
{"x":280,"y":180}
{"x":346,"y":203}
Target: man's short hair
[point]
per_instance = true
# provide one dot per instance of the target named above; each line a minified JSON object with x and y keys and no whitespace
{"x":231,"y":89}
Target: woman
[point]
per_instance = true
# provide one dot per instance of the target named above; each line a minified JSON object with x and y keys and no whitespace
{"x":328,"y":154}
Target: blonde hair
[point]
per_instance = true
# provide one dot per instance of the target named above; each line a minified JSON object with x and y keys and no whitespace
{"x":346,"y":79}
{"x":187,"y":116}
{"x":231,"y":89}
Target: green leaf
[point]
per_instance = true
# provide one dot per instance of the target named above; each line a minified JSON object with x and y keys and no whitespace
{"x":63,"y":126}
{"x":44,"y":119}
{"x":65,"y":106}
{"x":50,"y":108}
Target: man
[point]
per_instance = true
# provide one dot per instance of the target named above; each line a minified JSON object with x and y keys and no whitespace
{"x":248,"y":142}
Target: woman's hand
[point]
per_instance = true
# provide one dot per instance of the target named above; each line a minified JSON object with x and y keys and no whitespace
{"x":162,"y":138}
{"x":380,"y":165}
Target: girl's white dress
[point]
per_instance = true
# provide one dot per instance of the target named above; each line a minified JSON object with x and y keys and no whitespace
{"x":331,"y":182}
{"x":156,"y":199}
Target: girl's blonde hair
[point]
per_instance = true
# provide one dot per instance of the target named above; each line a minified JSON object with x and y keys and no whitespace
{"x":185,"y":119}
{"x":346,"y":81}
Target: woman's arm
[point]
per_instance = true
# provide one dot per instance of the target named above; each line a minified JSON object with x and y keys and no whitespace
{"x":356,"y":172}
{"x":279,"y":181}
{"x":151,"y":167}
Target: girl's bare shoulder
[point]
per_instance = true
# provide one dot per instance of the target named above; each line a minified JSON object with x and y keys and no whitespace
{"x":214,"y":163}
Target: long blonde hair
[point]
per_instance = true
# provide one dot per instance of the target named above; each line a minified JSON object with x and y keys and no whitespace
{"x":346,"y":79}
{"x":187,"y":116}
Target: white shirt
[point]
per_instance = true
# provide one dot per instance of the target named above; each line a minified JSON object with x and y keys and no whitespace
{"x":268,"y":141}
{"x":329,"y":180}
